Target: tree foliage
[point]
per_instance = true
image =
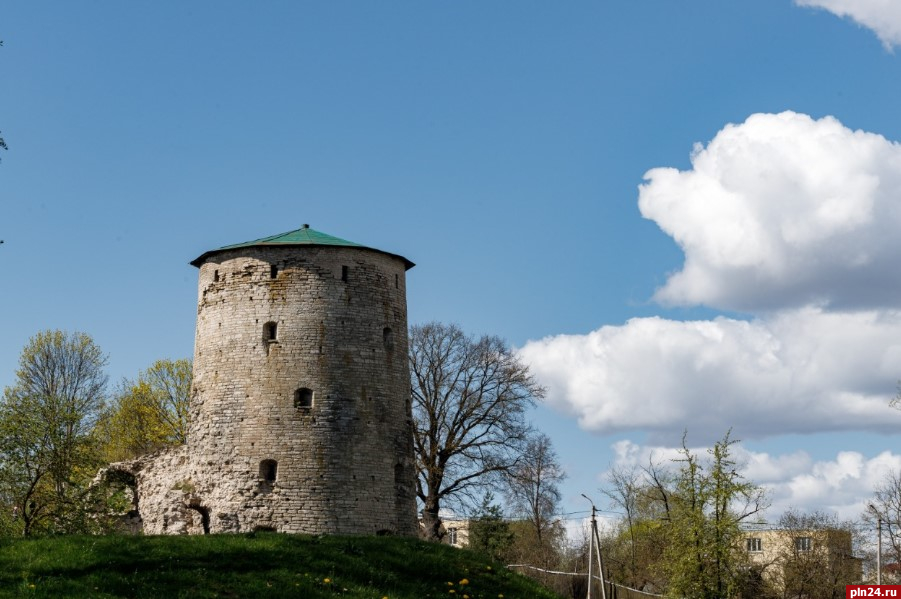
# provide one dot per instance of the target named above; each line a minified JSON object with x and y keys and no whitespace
{"x":633,"y":550}
{"x":470,"y":398}
{"x":489,"y":531}
{"x":709,"y":500}
{"x":149,"y":413}
{"x":681,"y":532}
{"x":47,"y":450}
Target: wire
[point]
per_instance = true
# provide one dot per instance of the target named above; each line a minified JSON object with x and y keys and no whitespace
{"x":558,"y":573}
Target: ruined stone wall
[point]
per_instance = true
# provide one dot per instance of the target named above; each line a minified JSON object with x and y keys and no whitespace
{"x":300,"y":416}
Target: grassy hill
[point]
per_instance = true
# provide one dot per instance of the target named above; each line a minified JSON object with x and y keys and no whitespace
{"x":252,"y":565}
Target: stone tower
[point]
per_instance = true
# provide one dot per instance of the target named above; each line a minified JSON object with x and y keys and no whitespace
{"x":300,"y":416}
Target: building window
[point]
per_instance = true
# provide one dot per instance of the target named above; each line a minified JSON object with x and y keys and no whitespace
{"x":273,"y":271}
{"x":396,"y":281}
{"x":344,"y":274}
{"x":303,"y":398}
{"x":754,"y":545}
{"x":270,"y":332}
{"x":268,"y":470}
{"x":388,"y":338}
{"x":803,"y":543}
{"x":215,"y":276}
{"x":452,"y":535}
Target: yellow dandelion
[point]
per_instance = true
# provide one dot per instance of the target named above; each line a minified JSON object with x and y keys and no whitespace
{"x":452,"y":591}
{"x":31,"y":586}
{"x":450,"y":584}
{"x":464,"y":581}
{"x":327,"y":580}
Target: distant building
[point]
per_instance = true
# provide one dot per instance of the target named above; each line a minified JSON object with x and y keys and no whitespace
{"x":456,"y":533}
{"x":784,"y":557}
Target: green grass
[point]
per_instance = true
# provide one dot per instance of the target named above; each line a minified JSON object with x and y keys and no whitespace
{"x":252,"y":565}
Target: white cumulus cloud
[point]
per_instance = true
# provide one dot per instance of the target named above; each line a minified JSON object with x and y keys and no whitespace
{"x":783,"y":210}
{"x":882,"y":16}
{"x":805,"y":370}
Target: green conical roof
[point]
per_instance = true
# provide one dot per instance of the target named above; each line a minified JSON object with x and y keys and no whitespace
{"x":302,"y":236}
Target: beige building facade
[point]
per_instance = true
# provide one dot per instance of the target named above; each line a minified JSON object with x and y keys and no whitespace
{"x":782,"y":557}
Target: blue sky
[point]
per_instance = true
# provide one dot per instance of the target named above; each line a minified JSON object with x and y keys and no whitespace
{"x":500,"y":147}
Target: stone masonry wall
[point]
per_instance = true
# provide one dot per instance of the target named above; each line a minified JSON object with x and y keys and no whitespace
{"x":300,"y":415}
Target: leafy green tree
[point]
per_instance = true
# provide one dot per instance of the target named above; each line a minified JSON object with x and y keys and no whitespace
{"x":489,"y":532}
{"x":708,"y":502}
{"x":48,"y":453}
{"x":149,"y":413}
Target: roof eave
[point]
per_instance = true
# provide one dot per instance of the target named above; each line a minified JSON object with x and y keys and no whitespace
{"x":197,"y":262}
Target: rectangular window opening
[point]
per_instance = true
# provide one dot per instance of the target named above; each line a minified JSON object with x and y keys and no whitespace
{"x":344,"y":274}
{"x":273,"y":271}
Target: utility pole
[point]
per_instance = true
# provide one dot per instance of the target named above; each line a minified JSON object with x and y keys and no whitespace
{"x":878,"y":543}
{"x":595,"y":543}
{"x":878,"y":549}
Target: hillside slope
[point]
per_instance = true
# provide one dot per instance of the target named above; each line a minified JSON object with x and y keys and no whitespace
{"x":254,"y":565}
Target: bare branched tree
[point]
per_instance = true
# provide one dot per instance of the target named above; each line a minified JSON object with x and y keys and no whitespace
{"x":533,"y":490}
{"x":823,"y":568}
{"x":887,"y":504}
{"x":470,"y":398}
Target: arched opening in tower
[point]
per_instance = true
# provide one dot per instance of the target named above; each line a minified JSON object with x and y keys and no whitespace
{"x":123,"y":481}
{"x":204,"y":516}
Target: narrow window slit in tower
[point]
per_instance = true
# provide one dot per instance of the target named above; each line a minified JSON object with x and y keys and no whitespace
{"x":268,"y":470}
{"x":303,"y":398}
{"x":344,"y":274}
{"x":273,"y":272}
{"x":270,"y":332}
{"x":215,"y":276}
{"x":396,"y":281}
